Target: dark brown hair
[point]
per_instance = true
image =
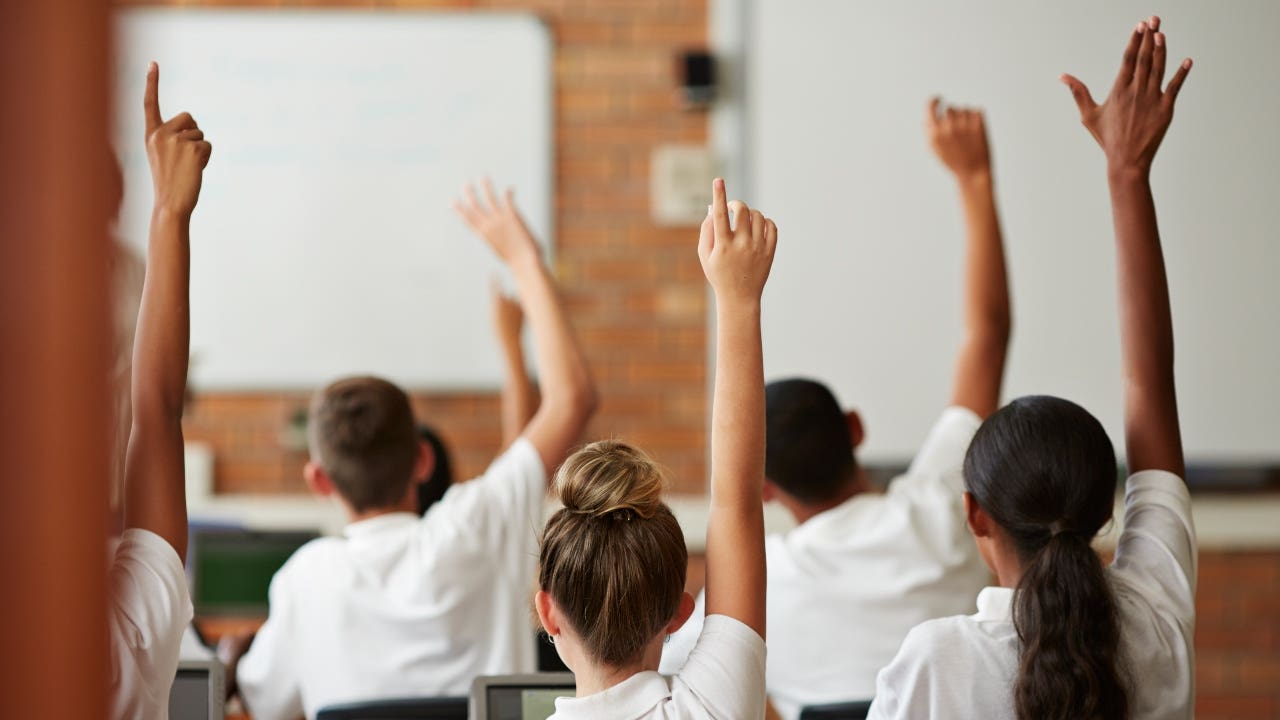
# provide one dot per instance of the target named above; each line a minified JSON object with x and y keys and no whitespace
{"x":362,"y":434}
{"x":614,"y":559}
{"x":1043,"y":469}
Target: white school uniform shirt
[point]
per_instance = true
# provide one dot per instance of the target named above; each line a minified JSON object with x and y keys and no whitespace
{"x":723,"y":679}
{"x":964,"y":667}
{"x":150,"y":608}
{"x":845,"y":587}
{"x":403,"y":605}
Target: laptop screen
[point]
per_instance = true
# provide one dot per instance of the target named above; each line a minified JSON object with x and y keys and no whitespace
{"x":524,"y":703}
{"x":233,"y":568}
{"x":189,"y":696}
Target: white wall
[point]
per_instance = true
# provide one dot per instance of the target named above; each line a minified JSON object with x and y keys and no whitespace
{"x":866,"y":286}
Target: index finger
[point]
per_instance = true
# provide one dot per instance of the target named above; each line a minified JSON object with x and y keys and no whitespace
{"x":151,"y":99}
{"x":720,"y":208}
{"x":931,"y":114}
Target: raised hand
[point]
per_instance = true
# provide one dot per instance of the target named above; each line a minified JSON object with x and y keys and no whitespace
{"x":177,"y":151}
{"x":498,"y":222}
{"x":1133,"y":119}
{"x":958,"y":137}
{"x":736,"y":258}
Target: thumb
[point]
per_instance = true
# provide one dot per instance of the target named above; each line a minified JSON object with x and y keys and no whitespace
{"x":151,"y":99}
{"x":1084,"y":101}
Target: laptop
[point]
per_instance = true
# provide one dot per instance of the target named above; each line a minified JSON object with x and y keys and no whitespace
{"x":198,"y":692}
{"x":519,"y":697}
{"x":231,"y":569}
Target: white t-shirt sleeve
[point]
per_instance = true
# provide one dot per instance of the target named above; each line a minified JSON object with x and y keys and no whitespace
{"x":941,"y":457}
{"x":1157,"y":548}
{"x":267,"y":673}
{"x":724,"y":675}
{"x":504,"y":504}
{"x":150,"y":610}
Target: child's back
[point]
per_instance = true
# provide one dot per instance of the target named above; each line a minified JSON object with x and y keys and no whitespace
{"x":403,"y":605}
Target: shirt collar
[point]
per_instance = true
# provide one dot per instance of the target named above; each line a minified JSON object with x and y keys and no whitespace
{"x":379,"y":523}
{"x":634,"y":697}
{"x":995,"y":603}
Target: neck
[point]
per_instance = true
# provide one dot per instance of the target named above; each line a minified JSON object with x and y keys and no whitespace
{"x":596,"y":679}
{"x":804,"y":512}
{"x":407,"y":504}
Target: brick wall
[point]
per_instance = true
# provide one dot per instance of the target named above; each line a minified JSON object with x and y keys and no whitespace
{"x":1238,"y":636}
{"x":635,"y":291}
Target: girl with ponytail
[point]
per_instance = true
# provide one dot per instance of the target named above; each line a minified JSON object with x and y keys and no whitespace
{"x":612,"y":562}
{"x":1063,"y":636}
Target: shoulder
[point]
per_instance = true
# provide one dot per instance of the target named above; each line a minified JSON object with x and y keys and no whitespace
{"x":314,"y":557}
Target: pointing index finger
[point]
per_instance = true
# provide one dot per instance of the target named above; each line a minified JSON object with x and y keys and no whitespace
{"x":720,"y":208}
{"x":151,"y":99}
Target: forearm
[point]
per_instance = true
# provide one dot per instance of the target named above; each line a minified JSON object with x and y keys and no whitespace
{"x":1152,"y":430}
{"x":987,"y":315}
{"x":563,"y":371}
{"x":737,"y":415}
{"x":162,"y":338}
{"x":517,"y":391}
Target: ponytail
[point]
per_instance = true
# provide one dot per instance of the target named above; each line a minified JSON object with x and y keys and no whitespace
{"x":1044,"y":470}
{"x":1065,"y":615}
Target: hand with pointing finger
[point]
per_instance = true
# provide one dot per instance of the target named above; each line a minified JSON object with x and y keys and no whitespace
{"x":736,"y":258}
{"x":1133,"y":119}
{"x":177,"y":152}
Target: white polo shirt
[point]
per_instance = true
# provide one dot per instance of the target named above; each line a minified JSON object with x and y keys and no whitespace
{"x":150,"y":607}
{"x":966,"y":666}
{"x":846,"y":586}
{"x":403,"y":605}
{"x":723,"y":679}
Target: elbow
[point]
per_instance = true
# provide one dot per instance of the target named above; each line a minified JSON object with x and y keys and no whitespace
{"x":994,"y":330}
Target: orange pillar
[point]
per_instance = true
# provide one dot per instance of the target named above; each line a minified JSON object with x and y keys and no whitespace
{"x":54,"y":339}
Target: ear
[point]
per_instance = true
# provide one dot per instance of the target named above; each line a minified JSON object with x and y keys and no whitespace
{"x":317,"y":481}
{"x":770,"y":492}
{"x":547,"y":612}
{"x":425,"y":464}
{"x":980,"y":523}
{"x":682,"y":614}
{"x":856,"y":432}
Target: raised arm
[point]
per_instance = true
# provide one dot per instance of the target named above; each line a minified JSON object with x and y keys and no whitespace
{"x":568,"y":391}
{"x":155,"y":482}
{"x":736,"y":261}
{"x":958,"y":137}
{"x":518,"y":396}
{"x":1129,"y":126}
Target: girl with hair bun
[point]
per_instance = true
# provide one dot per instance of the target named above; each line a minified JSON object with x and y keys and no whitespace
{"x":1063,"y":636}
{"x":613,"y":560}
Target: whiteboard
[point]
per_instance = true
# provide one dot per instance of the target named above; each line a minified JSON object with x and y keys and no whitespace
{"x":866,"y":287}
{"x":324,"y":244}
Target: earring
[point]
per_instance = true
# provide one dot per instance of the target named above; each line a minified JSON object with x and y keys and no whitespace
{"x":551,"y":638}
{"x":667,"y":641}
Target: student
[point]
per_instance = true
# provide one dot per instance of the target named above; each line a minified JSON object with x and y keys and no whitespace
{"x":863,"y":568}
{"x":612,"y":564}
{"x":150,"y":604}
{"x":1062,"y":636}
{"x":519,"y":400}
{"x":403,"y":605}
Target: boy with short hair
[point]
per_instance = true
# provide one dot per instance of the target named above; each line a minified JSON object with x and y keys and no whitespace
{"x":404,"y":605}
{"x":863,"y":568}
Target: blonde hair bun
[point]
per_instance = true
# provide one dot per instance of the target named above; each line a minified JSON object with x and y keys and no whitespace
{"x":611,"y":479}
